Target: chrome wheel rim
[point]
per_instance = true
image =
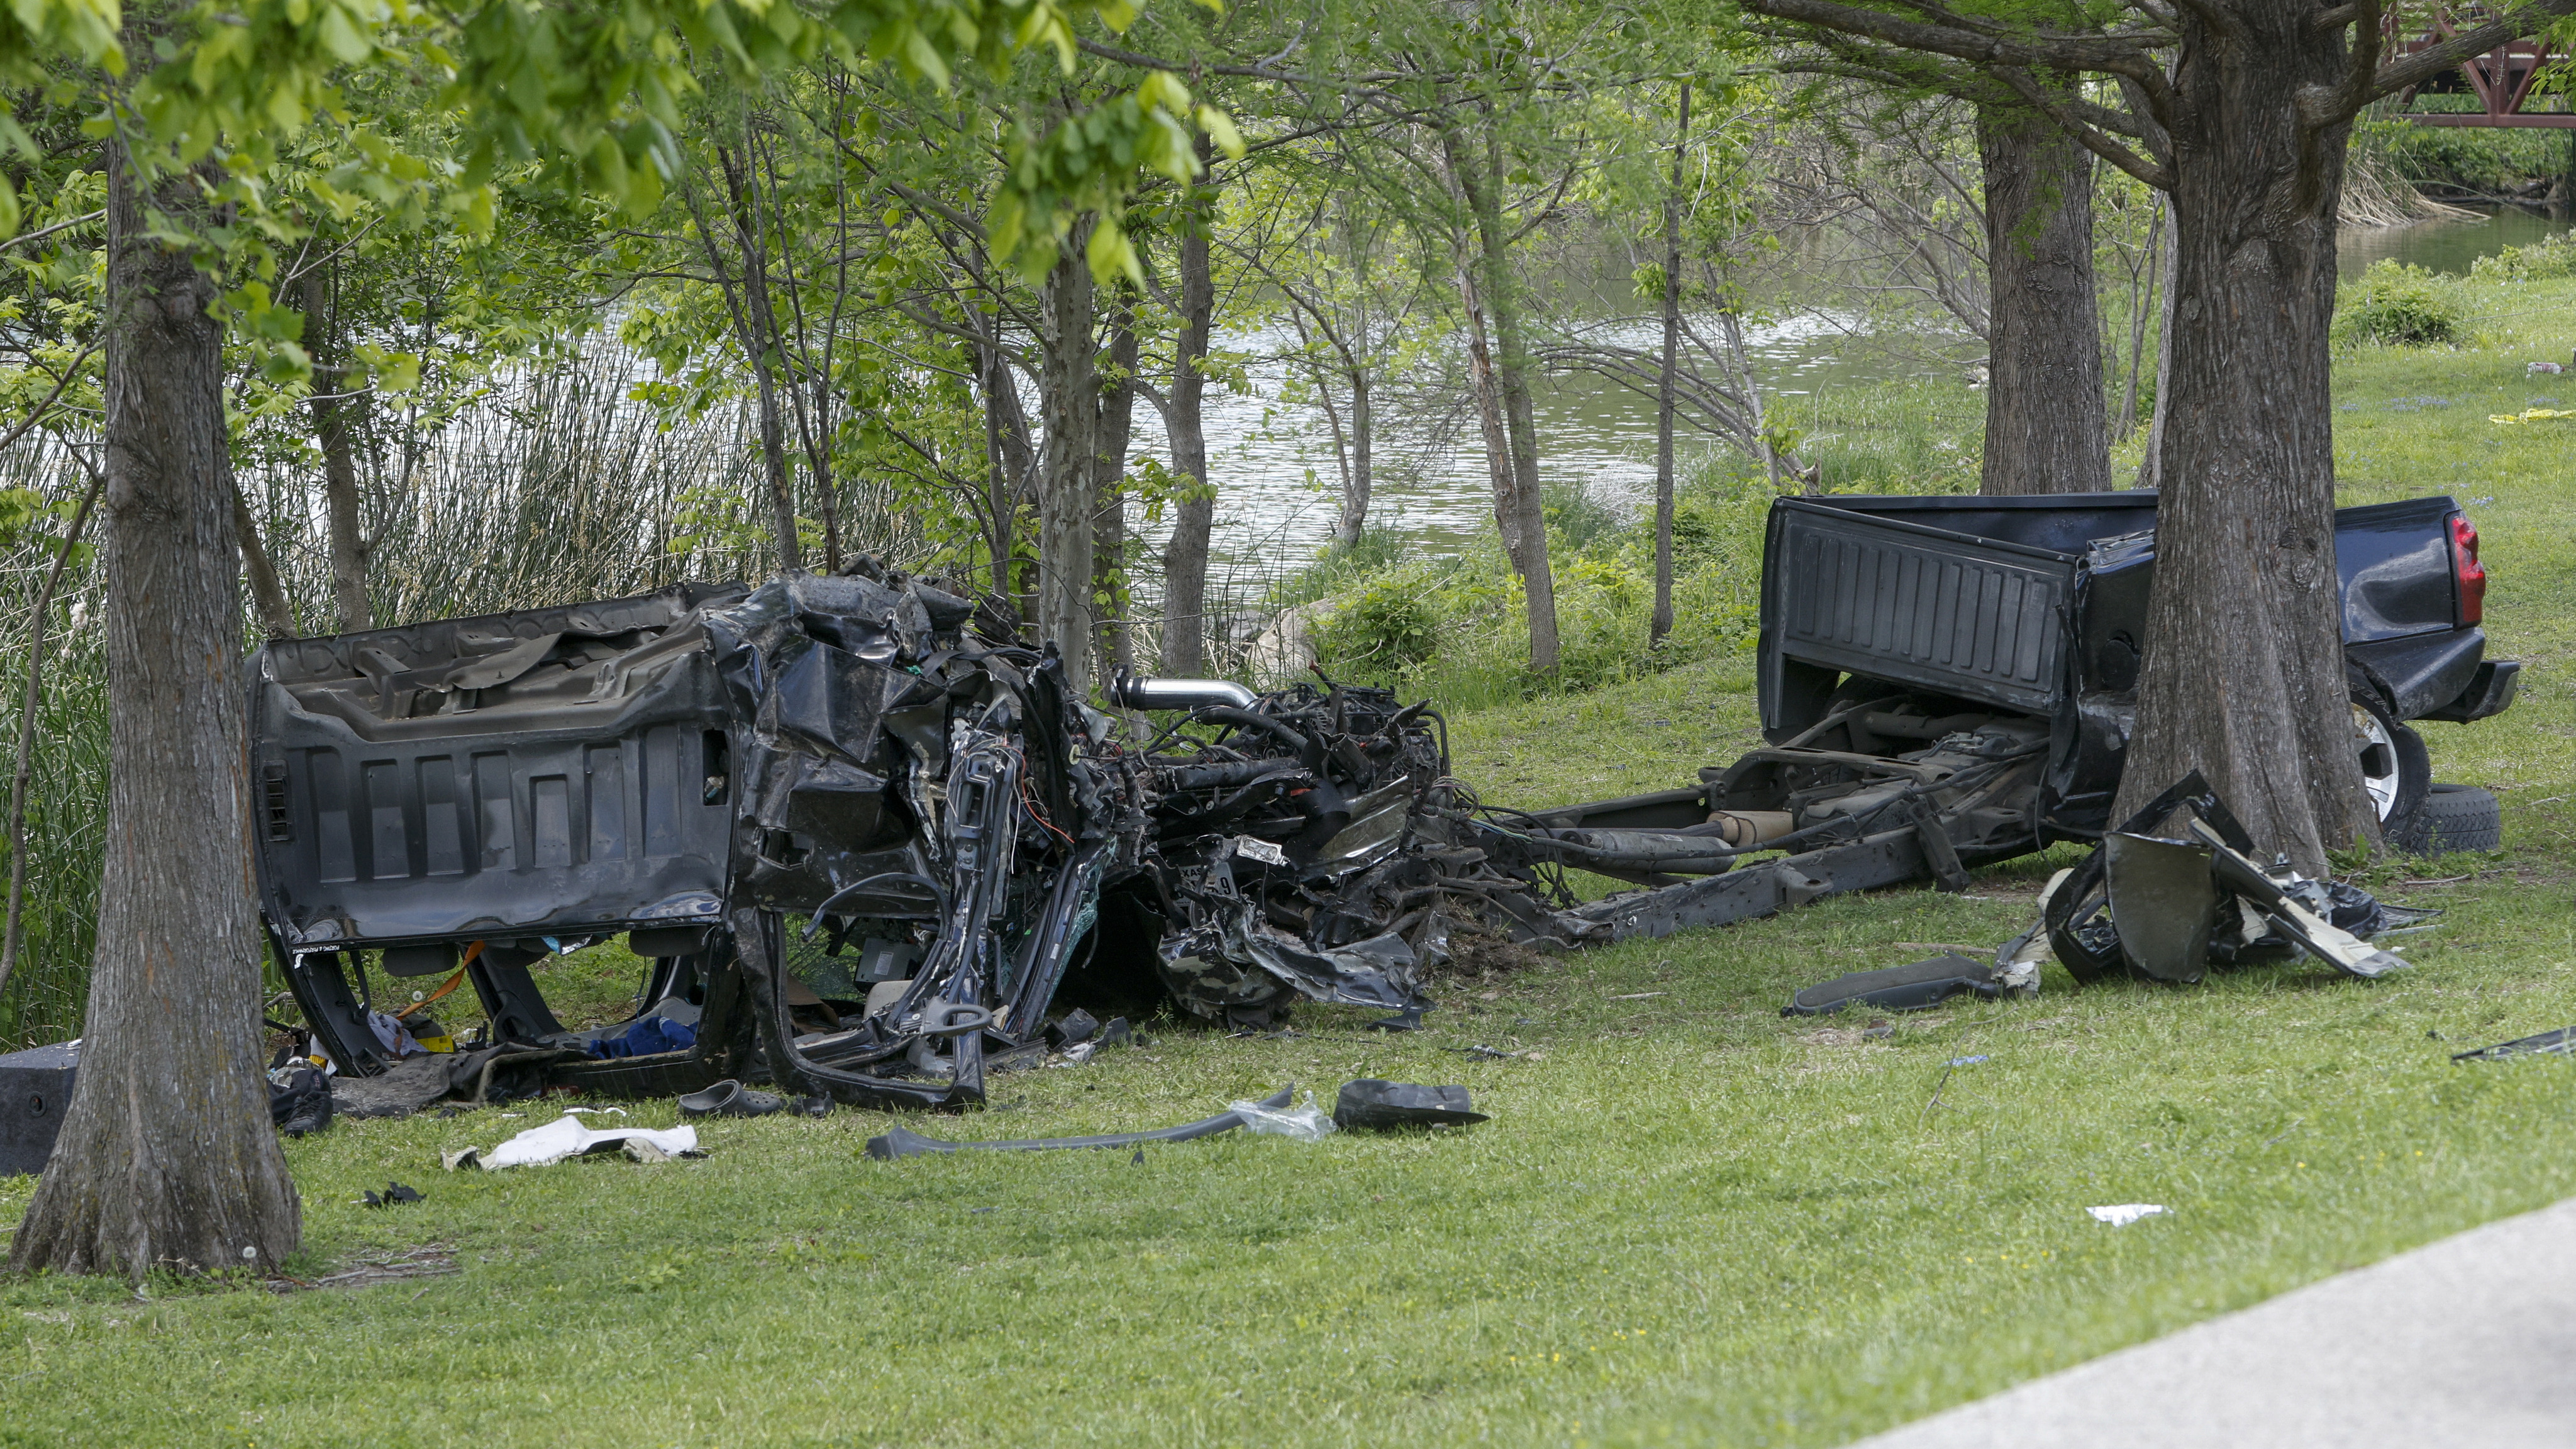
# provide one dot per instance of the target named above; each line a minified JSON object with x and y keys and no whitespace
{"x":2378,"y":751}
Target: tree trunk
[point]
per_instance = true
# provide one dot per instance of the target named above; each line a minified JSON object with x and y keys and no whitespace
{"x":2151,"y":464}
{"x":2045,"y":429}
{"x":2143,"y":294}
{"x":1508,"y":368}
{"x":331,"y":418}
{"x":1069,"y":407}
{"x":2243,"y":677}
{"x":1661,"y":623}
{"x":756,"y":331}
{"x":1488,"y":392}
{"x":1355,"y":487}
{"x":275,"y":614}
{"x":1185,"y":556}
{"x":1117,"y":418}
{"x":166,"y":1158}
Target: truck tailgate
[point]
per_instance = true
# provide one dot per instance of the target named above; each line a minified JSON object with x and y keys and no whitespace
{"x":1970,"y":617}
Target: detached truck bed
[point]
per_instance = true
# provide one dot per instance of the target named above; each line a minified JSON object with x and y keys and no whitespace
{"x":1947,"y":680}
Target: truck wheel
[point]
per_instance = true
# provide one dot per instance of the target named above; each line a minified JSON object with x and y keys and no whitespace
{"x":2395,"y":770}
{"x":2451,"y":817}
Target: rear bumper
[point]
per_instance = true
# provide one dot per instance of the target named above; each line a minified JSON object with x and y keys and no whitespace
{"x":2491,"y":690}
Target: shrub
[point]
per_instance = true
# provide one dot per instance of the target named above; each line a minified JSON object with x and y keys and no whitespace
{"x":2545,"y":260}
{"x":1389,"y":626}
{"x":2399,"y":305}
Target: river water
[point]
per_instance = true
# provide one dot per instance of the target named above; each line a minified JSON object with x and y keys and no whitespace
{"x":1274,"y":463}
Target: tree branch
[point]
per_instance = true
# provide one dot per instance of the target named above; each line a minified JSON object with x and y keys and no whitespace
{"x":2092,"y":140}
{"x":2425,"y":64}
{"x":44,"y":232}
{"x":2108,"y":54}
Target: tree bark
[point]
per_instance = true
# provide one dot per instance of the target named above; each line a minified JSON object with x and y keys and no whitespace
{"x":1069,"y":408}
{"x":2243,"y":676}
{"x":166,"y":1158}
{"x":1661,"y":623}
{"x":2046,"y":431}
{"x":1185,"y":555}
{"x":331,"y":419}
{"x":1116,"y":419}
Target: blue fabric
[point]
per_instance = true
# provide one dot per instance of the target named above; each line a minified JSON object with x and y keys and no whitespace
{"x":644,"y":1038}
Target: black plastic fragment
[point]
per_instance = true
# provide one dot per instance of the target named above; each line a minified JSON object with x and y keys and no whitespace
{"x":1380,"y":1105}
{"x":1900,"y":988}
{"x":2559,"y":1043}
{"x":903,"y":1142}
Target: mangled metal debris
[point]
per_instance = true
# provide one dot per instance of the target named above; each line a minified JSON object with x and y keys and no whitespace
{"x":850,"y":778}
{"x":2162,"y":898}
{"x":2196,"y":896}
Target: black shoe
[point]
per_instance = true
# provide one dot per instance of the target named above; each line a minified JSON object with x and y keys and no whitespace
{"x":729,"y":1098}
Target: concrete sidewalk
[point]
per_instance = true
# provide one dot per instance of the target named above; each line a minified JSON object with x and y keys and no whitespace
{"x":2471,"y":1340}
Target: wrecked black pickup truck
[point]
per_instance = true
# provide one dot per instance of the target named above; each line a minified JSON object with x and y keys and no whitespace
{"x":865,"y":834}
{"x":860,"y":831}
{"x":1947,"y":681}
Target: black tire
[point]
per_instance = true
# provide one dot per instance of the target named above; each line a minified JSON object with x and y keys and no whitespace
{"x":2451,"y":817}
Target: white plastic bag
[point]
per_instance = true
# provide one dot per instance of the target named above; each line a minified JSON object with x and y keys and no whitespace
{"x":1304,"y":1122}
{"x":566,"y":1137}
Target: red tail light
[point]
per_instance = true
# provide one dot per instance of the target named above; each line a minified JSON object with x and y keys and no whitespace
{"x":2467,"y":572}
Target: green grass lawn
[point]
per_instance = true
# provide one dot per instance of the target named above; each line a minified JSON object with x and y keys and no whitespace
{"x":1690,"y":1221}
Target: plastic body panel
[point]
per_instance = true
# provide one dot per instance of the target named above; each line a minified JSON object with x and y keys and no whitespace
{"x":35,"y":1087}
{"x":601,"y":804}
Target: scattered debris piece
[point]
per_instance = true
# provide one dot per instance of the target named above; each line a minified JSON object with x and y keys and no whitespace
{"x":394,"y":1192}
{"x":2559,"y":1043}
{"x":565,"y":1137}
{"x":1637,"y":996}
{"x":299,"y":1100}
{"x":35,"y":1086}
{"x":1304,"y":1122}
{"x":2120,"y":1215}
{"x":1900,"y":988}
{"x":904,"y":1142}
{"x":2197,"y":897}
{"x":1377,"y":1105}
